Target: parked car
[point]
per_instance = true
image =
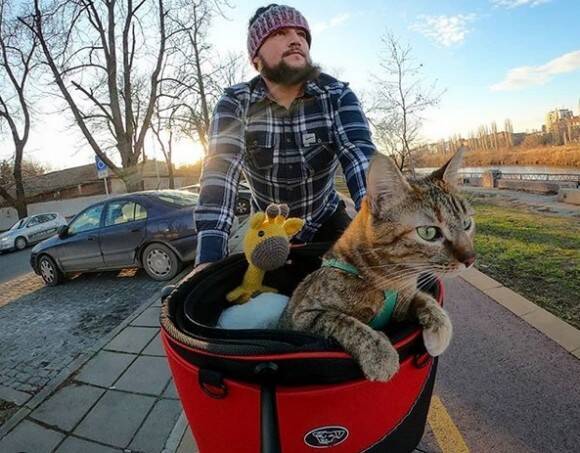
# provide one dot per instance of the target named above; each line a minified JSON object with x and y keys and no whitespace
{"x":30,"y":230}
{"x":243,"y":202}
{"x":153,"y":230}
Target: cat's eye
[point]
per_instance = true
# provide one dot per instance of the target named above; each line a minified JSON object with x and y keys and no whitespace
{"x":467,"y":224}
{"x":429,"y":233}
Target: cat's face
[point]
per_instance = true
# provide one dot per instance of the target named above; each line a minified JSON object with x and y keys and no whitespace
{"x":424,"y":225}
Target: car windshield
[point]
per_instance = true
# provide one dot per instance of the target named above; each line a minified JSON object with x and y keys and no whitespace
{"x":18,"y":224}
{"x":178,"y":197}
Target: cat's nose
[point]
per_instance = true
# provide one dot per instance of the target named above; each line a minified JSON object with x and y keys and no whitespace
{"x":468,"y":260}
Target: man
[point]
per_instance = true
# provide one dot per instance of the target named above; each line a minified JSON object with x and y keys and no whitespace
{"x":287,"y":130}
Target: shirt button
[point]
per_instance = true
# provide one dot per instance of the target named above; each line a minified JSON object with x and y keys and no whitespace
{"x":288,"y":140}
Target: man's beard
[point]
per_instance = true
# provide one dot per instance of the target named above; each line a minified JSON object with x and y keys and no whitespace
{"x":284,"y":74}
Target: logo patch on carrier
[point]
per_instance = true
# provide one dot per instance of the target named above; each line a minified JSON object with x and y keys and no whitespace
{"x":326,"y":436}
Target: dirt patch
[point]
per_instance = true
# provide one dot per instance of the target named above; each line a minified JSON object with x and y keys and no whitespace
{"x":536,"y":203}
{"x":7,"y":409}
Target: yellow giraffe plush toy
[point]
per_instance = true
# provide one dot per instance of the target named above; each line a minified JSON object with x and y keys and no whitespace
{"x":266,"y":246}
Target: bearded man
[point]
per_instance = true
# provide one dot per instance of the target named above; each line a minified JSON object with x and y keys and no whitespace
{"x":287,"y":130}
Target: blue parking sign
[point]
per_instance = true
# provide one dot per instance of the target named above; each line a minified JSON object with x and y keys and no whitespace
{"x":102,"y":169}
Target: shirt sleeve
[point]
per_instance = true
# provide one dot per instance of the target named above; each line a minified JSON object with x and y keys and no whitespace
{"x":220,"y":175}
{"x":355,"y":147}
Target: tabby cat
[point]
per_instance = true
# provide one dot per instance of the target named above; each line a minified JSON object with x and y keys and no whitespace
{"x":404,"y":228}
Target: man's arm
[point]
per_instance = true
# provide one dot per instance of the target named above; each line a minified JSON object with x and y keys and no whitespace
{"x":220,"y":176}
{"x":354,"y":144}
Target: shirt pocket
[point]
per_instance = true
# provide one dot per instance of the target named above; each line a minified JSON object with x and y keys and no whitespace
{"x":318,"y":149}
{"x":260,"y":149}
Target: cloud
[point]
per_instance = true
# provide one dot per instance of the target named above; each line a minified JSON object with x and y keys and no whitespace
{"x":526,"y":76}
{"x":509,"y":4}
{"x":319,"y":27}
{"x":446,"y":30}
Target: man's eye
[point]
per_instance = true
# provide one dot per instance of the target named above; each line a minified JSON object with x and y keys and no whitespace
{"x":429,"y":233}
{"x":302,"y":34}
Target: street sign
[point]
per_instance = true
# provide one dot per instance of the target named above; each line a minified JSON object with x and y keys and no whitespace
{"x":102,"y":169}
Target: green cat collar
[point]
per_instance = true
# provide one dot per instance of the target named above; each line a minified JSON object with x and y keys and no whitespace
{"x":383,"y":317}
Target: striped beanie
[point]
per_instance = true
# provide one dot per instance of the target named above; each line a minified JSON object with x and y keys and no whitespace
{"x":274,"y":18}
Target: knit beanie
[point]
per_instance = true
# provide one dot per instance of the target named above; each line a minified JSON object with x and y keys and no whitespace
{"x":274,"y":18}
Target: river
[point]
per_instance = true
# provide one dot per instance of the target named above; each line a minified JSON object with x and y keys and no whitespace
{"x":513,"y":169}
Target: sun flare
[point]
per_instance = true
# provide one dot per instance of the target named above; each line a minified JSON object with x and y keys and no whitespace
{"x":187,"y":152}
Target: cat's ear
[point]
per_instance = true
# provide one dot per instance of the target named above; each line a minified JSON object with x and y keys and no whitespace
{"x":385,"y":183}
{"x":450,"y":170}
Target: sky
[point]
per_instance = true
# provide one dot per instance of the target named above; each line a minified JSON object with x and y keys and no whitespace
{"x":495,"y":59}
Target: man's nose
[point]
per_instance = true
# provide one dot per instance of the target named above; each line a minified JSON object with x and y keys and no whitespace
{"x":294,"y":38}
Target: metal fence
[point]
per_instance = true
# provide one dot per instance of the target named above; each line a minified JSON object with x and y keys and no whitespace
{"x":552,"y":177}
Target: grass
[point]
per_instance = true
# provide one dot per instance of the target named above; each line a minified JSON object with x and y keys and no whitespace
{"x":536,"y":256}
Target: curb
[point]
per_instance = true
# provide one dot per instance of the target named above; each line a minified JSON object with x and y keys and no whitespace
{"x":567,"y":336}
{"x":77,"y":363}
{"x":173,"y":441}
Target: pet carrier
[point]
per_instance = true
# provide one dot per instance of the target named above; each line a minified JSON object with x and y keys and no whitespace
{"x":283,"y":391}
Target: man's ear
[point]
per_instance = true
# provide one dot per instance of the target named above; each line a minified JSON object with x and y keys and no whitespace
{"x":450,"y":170}
{"x":256,"y":63}
{"x":385,"y":183}
{"x":257,"y":220}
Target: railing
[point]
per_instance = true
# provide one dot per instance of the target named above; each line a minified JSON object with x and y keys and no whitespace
{"x":554,"y":177}
{"x":558,"y":177}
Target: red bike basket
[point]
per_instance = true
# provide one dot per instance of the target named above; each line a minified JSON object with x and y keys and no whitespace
{"x":268,"y":391}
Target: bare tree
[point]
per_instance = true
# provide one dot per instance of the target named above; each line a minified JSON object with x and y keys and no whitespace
{"x":193,"y":79}
{"x":17,"y":48}
{"x":401,"y":99}
{"x":201,"y":74}
{"x":509,"y":130}
{"x":165,"y":129}
{"x":105,"y":57}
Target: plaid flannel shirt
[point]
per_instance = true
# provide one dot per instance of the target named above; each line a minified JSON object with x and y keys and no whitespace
{"x":287,"y":156}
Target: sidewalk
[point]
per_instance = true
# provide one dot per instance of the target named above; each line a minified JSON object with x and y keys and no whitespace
{"x":121,"y":399}
{"x":118,"y":396}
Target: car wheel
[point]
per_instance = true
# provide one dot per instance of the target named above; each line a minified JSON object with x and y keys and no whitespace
{"x":242,"y":207}
{"x":49,"y":272}
{"x":20,"y":243}
{"x":160,"y":262}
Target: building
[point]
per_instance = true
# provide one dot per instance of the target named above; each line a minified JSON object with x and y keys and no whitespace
{"x":554,"y":117}
{"x":563,"y":126}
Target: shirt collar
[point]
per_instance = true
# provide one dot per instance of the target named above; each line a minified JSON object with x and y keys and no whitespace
{"x":260,"y":90}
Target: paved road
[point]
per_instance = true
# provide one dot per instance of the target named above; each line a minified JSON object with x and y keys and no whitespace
{"x":14,"y":264}
{"x":506,"y":386}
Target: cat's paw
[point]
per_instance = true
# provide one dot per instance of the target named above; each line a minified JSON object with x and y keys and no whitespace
{"x":381,"y":362}
{"x":438,"y":336}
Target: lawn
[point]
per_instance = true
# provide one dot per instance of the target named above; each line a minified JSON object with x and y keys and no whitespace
{"x":538,"y":256}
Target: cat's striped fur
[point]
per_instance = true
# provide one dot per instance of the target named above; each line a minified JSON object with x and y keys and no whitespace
{"x":383,"y":242}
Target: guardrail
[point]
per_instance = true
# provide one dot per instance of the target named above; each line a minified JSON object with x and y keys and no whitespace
{"x":552,"y":177}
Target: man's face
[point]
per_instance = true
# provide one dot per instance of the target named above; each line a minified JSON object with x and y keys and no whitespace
{"x":284,"y":58}
{"x":288,"y":45}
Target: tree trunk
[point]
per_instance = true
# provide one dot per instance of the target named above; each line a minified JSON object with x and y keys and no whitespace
{"x":170,"y":175}
{"x":20,"y":204}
